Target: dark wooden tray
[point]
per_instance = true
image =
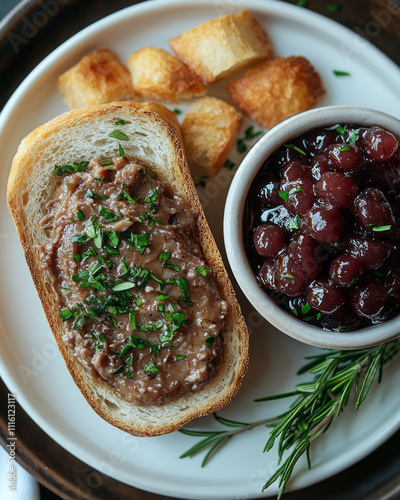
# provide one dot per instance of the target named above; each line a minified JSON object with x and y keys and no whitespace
{"x":375,"y":477}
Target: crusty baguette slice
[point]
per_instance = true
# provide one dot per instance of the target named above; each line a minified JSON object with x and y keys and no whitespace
{"x":220,"y":47}
{"x":160,"y":76}
{"x":98,"y":78}
{"x":209,"y":132}
{"x":155,"y":139}
{"x":276,"y":89}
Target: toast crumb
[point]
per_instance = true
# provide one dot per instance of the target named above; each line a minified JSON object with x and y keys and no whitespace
{"x":276,"y":89}
{"x":98,"y":78}
{"x":209,"y":131}
{"x":222,"y":46}
{"x":169,"y":79}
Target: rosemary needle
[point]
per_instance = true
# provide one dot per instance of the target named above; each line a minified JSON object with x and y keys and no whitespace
{"x":336,"y":375}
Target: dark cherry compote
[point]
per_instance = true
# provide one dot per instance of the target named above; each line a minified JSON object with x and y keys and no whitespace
{"x":321,"y":227}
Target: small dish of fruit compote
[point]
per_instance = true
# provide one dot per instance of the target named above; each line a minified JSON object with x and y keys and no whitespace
{"x":320,"y":228}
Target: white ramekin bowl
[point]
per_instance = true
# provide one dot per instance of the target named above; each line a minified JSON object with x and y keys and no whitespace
{"x":233,"y":228}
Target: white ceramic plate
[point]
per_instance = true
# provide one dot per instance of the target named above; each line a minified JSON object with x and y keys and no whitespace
{"x":30,"y":364}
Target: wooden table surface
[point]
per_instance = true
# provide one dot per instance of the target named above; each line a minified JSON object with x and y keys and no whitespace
{"x":375,"y":477}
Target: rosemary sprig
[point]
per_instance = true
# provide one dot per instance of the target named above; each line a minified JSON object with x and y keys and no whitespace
{"x":336,"y":374}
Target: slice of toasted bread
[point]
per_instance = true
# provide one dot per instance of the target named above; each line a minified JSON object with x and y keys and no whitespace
{"x":209,"y":132}
{"x":155,"y":140}
{"x":98,"y":78}
{"x":276,"y":89}
{"x":169,"y":80}
{"x":222,"y":46}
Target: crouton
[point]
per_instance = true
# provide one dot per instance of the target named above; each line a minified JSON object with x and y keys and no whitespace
{"x":161,"y":76}
{"x":276,"y":89}
{"x":209,"y":131}
{"x":222,"y":46}
{"x":97,"y":78}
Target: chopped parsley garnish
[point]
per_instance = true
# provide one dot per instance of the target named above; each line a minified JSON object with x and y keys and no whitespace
{"x":381,"y":228}
{"x":151,"y":367}
{"x":113,"y":238}
{"x":80,"y":215}
{"x":290,"y":276}
{"x":249,"y":134}
{"x":124,"y":195}
{"x":153,"y":195}
{"x":138,"y":241}
{"x":229,"y":164}
{"x":183,"y":285}
{"x":286,"y":195}
{"x":117,"y":134}
{"x":341,"y":130}
{"x":64,"y":290}
{"x":334,"y":7}
{"x":177,"y":111}
{"x":202,"y":271}
{"x":340,"y":73}
{"x":121,"y":151}
{"x":163,"y":296}
{"x":164,"y":257}
{"x":295,"y":222}
{"x":302,"y":3}
{"x":353,"y":138}
{"x":180,"y":357}
{"x":68,"y":169}
{"x":145,"y":216}
{"x":108,"y":215}
{"x":210,"y":341}
{"x":345,"y":148}
{"x":296,"y":148}
{"x":120,"y":122}
{"x":122,"y":286}
{"x":90,"y":194}
{"x":66,"y":314}
{"x":106,"y":163}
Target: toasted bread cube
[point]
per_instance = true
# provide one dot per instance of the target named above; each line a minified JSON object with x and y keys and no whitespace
{"x":276,"y":89}
{"x":97,"y":78}
{"x":222,"y":46}
{"x":209,"y":131}
{"x":160,"y":76}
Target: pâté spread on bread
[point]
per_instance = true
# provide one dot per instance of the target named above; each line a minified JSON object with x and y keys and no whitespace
{"x":143,"y":311}
{"x":125,"y":265}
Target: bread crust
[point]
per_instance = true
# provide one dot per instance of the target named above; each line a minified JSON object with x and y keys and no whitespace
{"x":276,"y":89}
{"x":98,"y":78}
{"x":220,"y":47}
{"x":209,"y":132}
{"x":169,"y":79}
{"x":30,"y":186}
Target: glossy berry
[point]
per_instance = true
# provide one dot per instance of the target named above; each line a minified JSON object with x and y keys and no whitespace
{"x":380,"y":145}
{"x":323,"y":223}
{"x":368,"y":299}
{"x":265,"y":191}
{"x":345,"y":157}
{"x":294,"y":170}
{"x":324,"y":297}
{"x":346,"y":269}
{"x":268,"y":240}
{"x":336,"y":189}
{"x":392,"y":283}
{"x":316,"y":140}
{"x":289,"y":279}
{"x":372,"y":252}
{"x":306,"y":253}
{"x":320,"y":165}
{"x":298,"y":196}
{"x":372,"y":210}
{"x":266,"y":276}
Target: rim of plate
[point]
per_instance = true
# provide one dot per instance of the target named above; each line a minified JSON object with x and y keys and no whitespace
{"x":316,"y":22}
